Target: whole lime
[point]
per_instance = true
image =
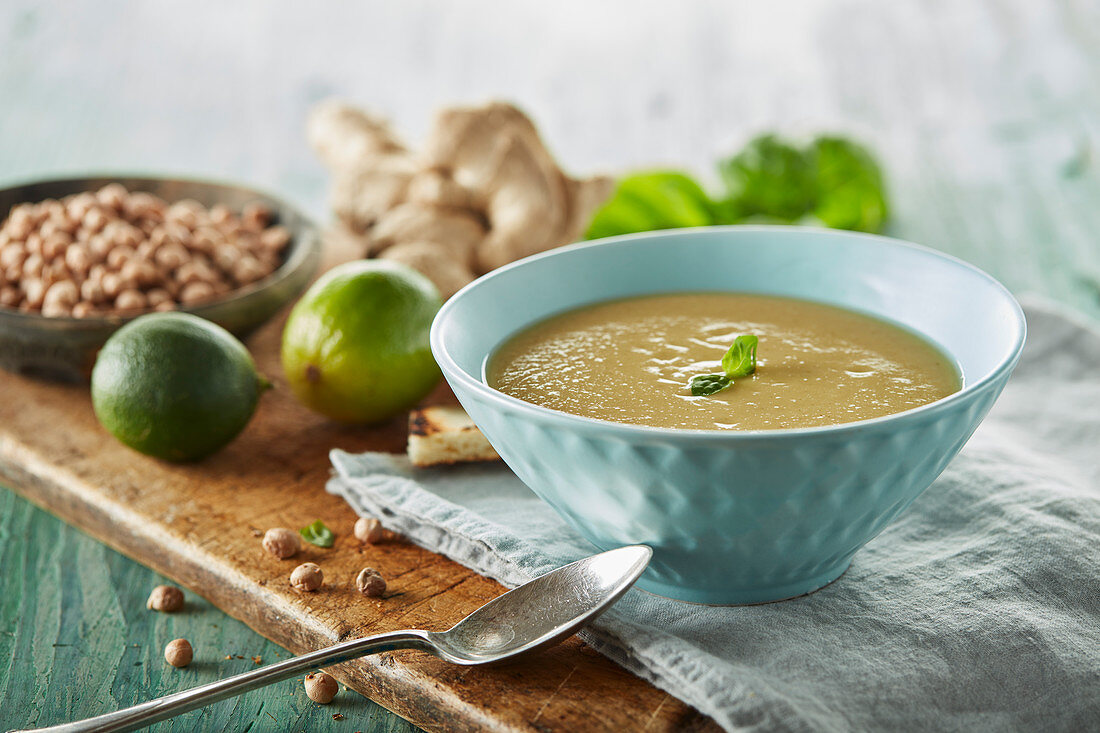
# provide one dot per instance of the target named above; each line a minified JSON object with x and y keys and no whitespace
{"x":175,"y":386}
{"x":355,"y":347}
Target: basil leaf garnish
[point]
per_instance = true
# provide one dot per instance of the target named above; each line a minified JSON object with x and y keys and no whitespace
{"x":318,"y":534}
{"x":740,"y":360}
{"x":707,"y":384}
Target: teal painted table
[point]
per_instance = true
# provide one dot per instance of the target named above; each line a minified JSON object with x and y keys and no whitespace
{"x":986,"y":116}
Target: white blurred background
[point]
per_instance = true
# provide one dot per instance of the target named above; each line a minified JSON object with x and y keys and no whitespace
{"x":984,"y":114}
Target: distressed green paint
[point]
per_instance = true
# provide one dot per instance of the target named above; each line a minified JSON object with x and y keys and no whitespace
{"x":76,"y":640}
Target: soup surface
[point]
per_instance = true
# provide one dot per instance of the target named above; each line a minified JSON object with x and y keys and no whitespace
{"x":632,"y":361}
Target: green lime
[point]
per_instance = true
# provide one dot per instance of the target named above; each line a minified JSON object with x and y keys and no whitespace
{"x":175,"y":386}
{"x":355,"y":346}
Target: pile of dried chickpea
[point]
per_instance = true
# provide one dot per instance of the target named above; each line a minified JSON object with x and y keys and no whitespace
{"x":120,"y":252}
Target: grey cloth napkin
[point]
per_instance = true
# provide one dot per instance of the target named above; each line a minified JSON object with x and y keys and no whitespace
{"x":978,"y":609}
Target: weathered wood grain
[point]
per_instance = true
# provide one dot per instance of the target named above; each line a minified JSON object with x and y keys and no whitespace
{"x":199,"y":524}
{"x":76,"y":639}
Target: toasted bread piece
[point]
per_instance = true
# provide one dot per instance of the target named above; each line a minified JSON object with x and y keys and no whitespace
{"x":446,"y":435}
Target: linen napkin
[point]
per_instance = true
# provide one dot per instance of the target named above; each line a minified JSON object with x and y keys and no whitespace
{"x":977,"y":609}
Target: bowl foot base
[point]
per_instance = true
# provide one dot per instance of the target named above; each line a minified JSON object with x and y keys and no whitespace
{"x":744,"y":596}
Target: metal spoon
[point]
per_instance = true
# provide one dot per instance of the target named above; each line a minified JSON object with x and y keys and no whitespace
{"x":535,"y":615}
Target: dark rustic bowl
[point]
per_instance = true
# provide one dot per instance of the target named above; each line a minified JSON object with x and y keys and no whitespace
{"x":65,"y":348}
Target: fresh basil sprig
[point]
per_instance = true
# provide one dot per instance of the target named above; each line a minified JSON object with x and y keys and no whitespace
{"x":318,"y":534}
{"x":738,"y":361}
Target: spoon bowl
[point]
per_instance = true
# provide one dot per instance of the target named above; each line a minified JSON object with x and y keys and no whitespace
{"x":542,"y":612}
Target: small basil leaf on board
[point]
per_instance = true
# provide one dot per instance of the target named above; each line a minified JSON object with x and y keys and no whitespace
{"x":318,"y":534}
{"x":740,"y":359}
{"x":708,"y":384}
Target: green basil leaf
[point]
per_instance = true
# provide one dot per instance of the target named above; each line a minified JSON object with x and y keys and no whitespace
{"x":644,"y":202}
{"x":708,"y":384}
{"x":318,"y":534}
{"x":850,"y":189}
{"x":740,"y":359}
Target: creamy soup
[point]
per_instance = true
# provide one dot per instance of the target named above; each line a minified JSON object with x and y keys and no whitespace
{"x":632,"y":361}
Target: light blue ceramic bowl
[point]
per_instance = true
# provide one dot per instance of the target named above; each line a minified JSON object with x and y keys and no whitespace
{"x":739,"y":516}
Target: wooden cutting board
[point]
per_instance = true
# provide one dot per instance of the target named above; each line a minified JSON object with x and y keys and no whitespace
{"x":199,"y":524}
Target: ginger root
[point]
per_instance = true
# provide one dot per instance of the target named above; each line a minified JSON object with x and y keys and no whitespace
{"x":483,"y":191}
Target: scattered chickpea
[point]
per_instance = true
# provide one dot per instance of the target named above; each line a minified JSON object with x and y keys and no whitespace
{"x":307,"y":577}
{"x":179,"y":653}
{"x":282,"y":542}
{"x":320,"y":687}
{"x":166,"y":598}
{"x":369,"y":530}
{"x":370,"y":583}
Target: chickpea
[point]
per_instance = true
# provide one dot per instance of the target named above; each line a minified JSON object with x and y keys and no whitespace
{"x":77,"y":258}
{"x":79,"y":205}
{"x":179,"y":213}
{"x":165,"y":598}
{"x":54,"y":245}
{"x":282,"y":542}
{"x":369,"y":530}
{"x":320,"y":687}
{"x":179,"y":653}
{"x":59,"y":299}
{"x":10,"y":296}
{"x":34,"y":243}
{"x":168,"y":305}
{"x":12,"y":255}
{"x":220,"y":214}
{"x":98,"y":247}
{"x":32,"y":266}
{"x":275,"y":238}
{"x":248,"y":270}
{"x":196,"y":292}
{"x":20,"y":222}
{"x":207,"y":239}
{"x":83,"y":309}
{"x":307,"y":577}
{"x":91,"y":290}
{"x":225,"y":256}
{"x":94,"y":220}
{"x":112,"y":196}
{"x":112,"y":285}
{"x":156,"y":296}
{"x":130,"y":300}
{"x":48,"y":229}
{"x":140,"y":272}
{"x":118,"y":256}
{"x":171,"y":255}
{"x":255,"y":216}
{"x":370,"y":583}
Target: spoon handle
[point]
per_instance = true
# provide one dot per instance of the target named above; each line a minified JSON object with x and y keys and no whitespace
{"x":150,"y":712}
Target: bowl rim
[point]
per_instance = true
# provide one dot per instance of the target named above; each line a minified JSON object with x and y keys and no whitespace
{"x":637,"y":432}
{"x":300,"y":254}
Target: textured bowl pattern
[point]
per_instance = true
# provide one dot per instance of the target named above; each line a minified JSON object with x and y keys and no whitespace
{"x":732,"y":517}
